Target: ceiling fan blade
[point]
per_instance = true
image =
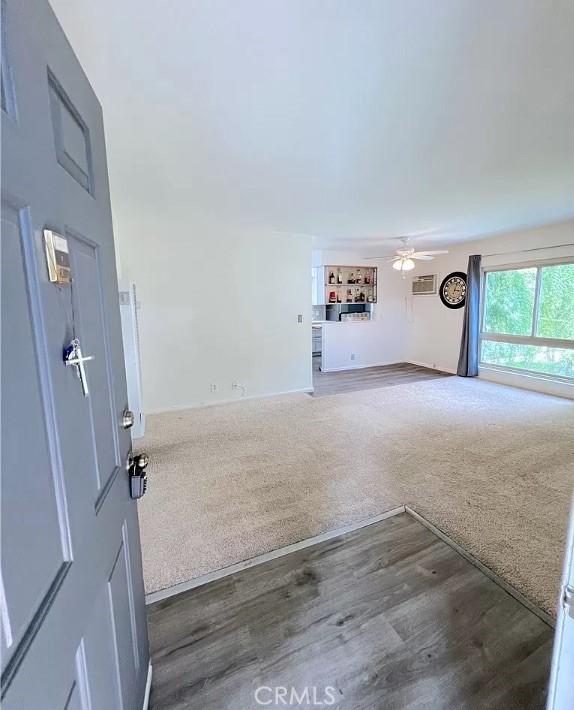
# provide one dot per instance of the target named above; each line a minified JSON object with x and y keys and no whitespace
{"x":432,"y":253}
{"x":422,"y":257}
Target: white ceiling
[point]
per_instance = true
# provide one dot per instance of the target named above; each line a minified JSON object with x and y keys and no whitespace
{"x":349,"y":121}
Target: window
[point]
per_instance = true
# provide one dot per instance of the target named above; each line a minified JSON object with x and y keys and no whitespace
{"x":528,"y":319}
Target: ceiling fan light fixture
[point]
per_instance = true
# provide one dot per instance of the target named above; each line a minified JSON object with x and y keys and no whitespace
{"x":404,"y":265}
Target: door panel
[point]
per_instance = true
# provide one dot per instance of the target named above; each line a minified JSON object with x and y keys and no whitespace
{"x":119,"y":586}
{"x":74,"y":700}
{"x":101,"y":656}
{"x":73,"y":609}
{"x":34,"y":529}
{"x":90,"y":328}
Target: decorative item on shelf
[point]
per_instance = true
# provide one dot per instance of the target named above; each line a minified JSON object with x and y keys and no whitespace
{"x":337,"y":276}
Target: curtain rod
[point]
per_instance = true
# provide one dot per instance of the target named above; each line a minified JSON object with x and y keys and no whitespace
{"x":524,"y":251}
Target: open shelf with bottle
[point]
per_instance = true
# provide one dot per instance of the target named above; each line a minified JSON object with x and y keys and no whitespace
{"x":346,"y":284}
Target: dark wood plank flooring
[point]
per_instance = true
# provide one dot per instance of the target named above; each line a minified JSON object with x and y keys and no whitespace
{"x":325,"y":383}
{"x":388,"y":616}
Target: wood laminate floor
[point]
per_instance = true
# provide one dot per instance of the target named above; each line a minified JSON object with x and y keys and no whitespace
{"x":365,"y":378}
{"x":388,"y":616}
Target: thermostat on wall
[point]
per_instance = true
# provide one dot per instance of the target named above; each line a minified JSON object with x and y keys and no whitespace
{"x":57,"y":257}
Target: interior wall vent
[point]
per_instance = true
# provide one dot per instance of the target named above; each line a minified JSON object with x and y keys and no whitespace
{"x":424,"y":285}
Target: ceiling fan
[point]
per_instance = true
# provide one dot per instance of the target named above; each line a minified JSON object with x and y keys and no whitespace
{"x":404,"y":258}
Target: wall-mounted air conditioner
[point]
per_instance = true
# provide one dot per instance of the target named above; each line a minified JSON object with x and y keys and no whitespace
{"x":129,"y":307}
{"x":424,"y":285}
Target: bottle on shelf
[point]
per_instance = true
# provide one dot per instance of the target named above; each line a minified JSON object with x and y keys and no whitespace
{"x":359,"y":277}
{"x":349,"y":296}
{"x":331,"y":277}
{"x":332,"y":297}
{"x":351,"y":279}
{"x":339,"y":276}
{"x":367,"y":278}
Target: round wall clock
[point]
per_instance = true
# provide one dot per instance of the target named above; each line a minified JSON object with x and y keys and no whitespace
{"x":453,"y":290}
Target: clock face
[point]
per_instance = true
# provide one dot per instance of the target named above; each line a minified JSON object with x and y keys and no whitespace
{"x":453,"y":290}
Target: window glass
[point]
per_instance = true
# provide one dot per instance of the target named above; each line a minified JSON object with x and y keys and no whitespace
{"x":536,"y":358}
{"x":556,"y":313}
{"x":509,"y":301}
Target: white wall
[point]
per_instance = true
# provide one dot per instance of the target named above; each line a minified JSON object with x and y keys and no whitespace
{"x":218,"y":306}
{"x":376,"y":342}
{"x":433,"y":331}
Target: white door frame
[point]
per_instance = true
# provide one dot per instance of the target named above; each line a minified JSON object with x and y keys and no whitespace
{"x":561,"y":686}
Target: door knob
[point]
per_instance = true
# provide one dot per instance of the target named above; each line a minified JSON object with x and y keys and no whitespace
{"x":137,"y":474}
{"x":140,"y":460}
{"x":128,"y":419}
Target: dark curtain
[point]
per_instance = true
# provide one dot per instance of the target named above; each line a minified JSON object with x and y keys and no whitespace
{"x":468,"y":358}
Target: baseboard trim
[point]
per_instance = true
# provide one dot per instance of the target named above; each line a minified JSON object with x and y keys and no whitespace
{"x":147,"y":688}
{"x":198,"y":405}
{"x":527,"y":381}
{"x":267,"y":556}
{"x":363,"y":367}
{"x":483,"y":568}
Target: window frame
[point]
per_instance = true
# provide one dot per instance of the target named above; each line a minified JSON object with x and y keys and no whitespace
{"x":532,"y":339}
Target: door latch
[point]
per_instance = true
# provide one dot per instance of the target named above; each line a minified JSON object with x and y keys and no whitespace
{"x":568,"y":600}
{"x":137,"y":464}
{"x":128,"y":419}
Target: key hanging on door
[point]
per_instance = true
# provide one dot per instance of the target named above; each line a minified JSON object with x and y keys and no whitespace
{"x":73,"y":356}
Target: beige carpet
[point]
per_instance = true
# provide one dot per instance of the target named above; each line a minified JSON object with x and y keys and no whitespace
{"x":492,"y":466}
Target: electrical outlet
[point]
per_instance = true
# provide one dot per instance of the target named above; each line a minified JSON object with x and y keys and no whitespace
{"x":239,"y":386}
{"x":214,"y":388}
{"x":353,"y":356}
{"x":300,"y":318}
